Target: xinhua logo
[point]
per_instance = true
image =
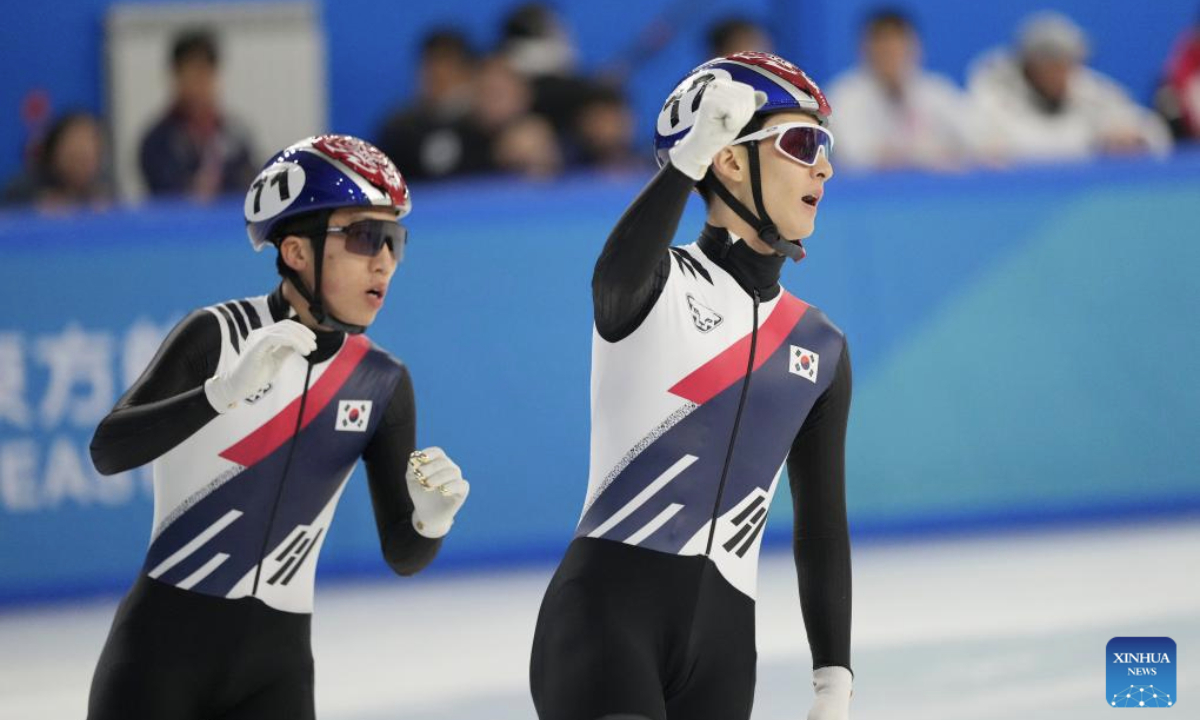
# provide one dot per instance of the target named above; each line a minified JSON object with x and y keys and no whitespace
{"x":1141,"y":672}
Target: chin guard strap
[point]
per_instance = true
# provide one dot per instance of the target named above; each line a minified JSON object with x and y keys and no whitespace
{"x":316,"y":237}
{"x":763,"y":224}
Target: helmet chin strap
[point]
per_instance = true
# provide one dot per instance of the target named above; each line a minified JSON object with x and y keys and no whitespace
{"x":763,"y":224}
{"x":315,"y":306}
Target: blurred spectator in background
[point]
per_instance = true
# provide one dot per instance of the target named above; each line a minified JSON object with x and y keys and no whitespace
{"x":1049,"y":106}
{"x":196,"y":149}
{"x":436,"y":136}
{"x":889,"y":113}
{"x":521,"y":141}
{"x":1178,"y":97}
{"x":538,"y":46}
{"x":69,"y":170}
{"x":603,"y":135}
{"x":528,"y":147}
{"x":536,"y":42}
{"x":737,"y":34}
{"x":501,"y":95}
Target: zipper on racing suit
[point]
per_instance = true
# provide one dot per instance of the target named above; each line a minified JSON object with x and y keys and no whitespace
{"x":262,"y":555}
{"x":737,"y":420}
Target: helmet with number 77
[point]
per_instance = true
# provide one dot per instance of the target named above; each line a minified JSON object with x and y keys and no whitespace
{"x":324,"y":172}
{"x":299,"y":188}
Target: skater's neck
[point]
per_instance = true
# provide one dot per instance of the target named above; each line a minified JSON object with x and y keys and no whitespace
{"x":752,"y":270}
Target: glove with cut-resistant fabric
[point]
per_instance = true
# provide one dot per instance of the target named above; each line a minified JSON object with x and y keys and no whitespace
{"x":438,"y":490}
{"x":834,"y":686}
{"x":265,"y":351}
{"x":725,"y":108}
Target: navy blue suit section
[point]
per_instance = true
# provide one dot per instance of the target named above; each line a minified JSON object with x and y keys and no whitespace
{"x":167,"y":404}
{"x":777,"y":403}
{"x":322,"y":458}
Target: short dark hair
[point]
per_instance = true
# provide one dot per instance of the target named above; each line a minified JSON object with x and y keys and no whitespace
{"x":60,"y":126}
{"x":529,"y":20}
{"x":194,"y":44}
{"x":721,"y":32}
{"x":54,"y":137}
{"x":887,"y":18}
{"x":447,"y":41}
{"x":602,"y":94}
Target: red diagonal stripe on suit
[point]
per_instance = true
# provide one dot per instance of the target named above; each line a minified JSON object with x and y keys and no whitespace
{"x":725,"y":369}
{"x":276,"y":431}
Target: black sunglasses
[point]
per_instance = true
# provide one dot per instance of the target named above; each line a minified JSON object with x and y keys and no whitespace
{"x":367,"y":237}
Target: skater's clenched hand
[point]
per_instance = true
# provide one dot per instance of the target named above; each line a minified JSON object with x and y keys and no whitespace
{"x":264,"y":352}
{"x":725,"y":106}
{"x":438,"y":490}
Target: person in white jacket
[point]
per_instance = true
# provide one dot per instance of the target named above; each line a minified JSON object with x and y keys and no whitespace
{"x":895,"y":114}
{"x":1047,"y":105}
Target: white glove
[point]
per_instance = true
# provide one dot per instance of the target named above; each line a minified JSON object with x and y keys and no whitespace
{"x":437,"y":489}
{"x":265,"y":350}
{"x":725,"y":108}
{"x":834,"y":686}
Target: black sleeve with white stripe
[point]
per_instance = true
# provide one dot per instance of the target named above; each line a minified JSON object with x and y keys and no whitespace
{"x":386,"y":460}
{"x":240,"y":318}
{"x":634,"y":265}
{"x":817,"y":472}
{"x":167,"y":404}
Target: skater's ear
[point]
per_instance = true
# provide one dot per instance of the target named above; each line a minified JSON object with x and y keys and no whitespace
{"x":731,"y":165}
{"x":295,"y":252}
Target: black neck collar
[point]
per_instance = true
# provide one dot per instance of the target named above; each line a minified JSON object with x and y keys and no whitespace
{"x":328,"y":341}
{"x":752,"y":270}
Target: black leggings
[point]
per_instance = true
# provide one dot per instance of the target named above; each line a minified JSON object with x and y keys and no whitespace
{"x":179,"y":655}
{"x":631,"y":633}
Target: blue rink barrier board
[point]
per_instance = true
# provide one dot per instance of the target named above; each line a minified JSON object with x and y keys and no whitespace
{"x":1024,"y":347}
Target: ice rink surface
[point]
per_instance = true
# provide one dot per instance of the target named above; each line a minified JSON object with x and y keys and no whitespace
{"x":1005,"y":627}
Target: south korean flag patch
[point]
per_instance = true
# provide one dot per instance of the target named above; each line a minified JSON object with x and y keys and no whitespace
{"x":803,"y":362}
{"x":353,"y":415}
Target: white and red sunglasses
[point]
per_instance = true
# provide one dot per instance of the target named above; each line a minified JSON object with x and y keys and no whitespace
{"x":799,"y":141}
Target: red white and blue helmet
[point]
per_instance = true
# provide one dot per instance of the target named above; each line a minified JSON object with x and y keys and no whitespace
{"x":786,"y":86}
{"x":323,"y":172}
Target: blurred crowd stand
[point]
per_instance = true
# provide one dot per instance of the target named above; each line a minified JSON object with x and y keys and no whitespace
{"x":524,"y":107}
